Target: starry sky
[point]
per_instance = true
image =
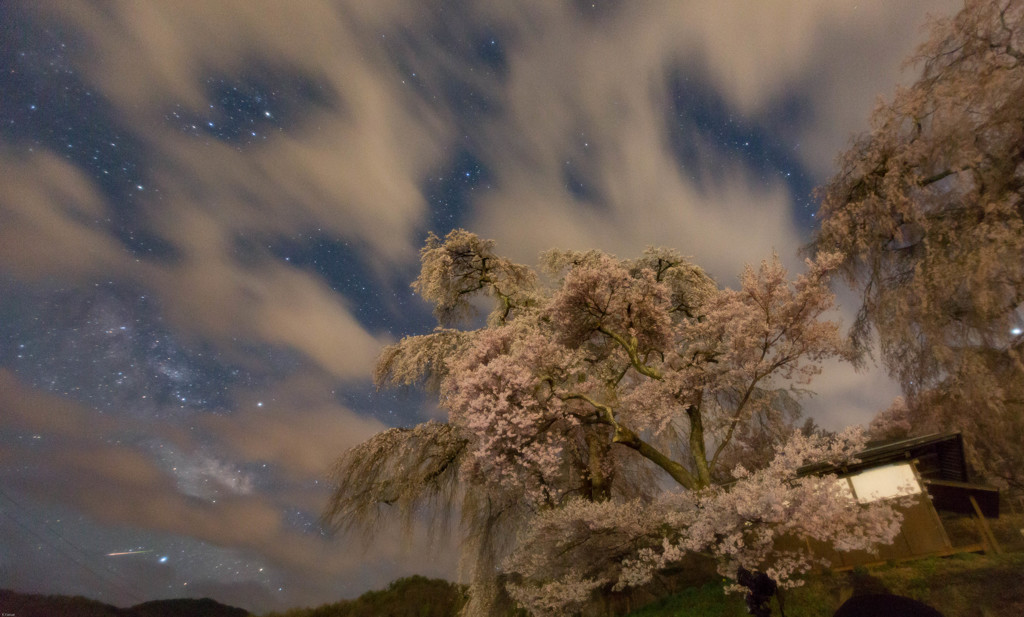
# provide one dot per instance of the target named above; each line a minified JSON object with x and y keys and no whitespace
{"x":211,"y":212}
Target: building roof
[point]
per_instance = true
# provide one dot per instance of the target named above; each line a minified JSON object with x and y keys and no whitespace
{"x":939,"y":456}
{"x":939,"y":460}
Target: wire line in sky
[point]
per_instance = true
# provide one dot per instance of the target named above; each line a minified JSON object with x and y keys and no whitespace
{"x":119,"y":584}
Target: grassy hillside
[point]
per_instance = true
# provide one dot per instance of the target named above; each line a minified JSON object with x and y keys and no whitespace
{"x":965,"y":585}
{"x":415,"y":596}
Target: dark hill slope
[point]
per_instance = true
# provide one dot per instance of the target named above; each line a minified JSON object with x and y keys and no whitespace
{"x":34,"y":605}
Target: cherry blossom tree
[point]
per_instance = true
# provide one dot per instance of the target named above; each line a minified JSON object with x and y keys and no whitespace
{"x":568,"y":552}
{"x":929,"y":210}
{"x":610,"y":400}
{"x":892,"y":423}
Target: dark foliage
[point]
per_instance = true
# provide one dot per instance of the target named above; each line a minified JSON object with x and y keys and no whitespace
{"x":186,"y":607}
{"x":415,"y":596}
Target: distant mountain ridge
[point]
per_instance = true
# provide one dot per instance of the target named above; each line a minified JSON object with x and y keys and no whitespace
{"x":37,"y":605}
{"x":413,"y":596}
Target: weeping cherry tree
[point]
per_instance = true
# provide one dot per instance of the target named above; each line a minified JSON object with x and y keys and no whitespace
{"x":610,"y":417}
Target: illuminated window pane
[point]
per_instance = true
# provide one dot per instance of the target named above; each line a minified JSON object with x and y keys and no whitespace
{"x":885,"y":482}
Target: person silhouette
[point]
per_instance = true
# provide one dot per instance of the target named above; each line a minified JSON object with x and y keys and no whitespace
{"x":761,"y":589}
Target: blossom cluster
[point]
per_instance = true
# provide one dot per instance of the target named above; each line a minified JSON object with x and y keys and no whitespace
{"x":743,"y":524}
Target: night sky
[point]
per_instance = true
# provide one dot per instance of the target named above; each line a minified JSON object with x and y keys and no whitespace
{"x":211,"y":211}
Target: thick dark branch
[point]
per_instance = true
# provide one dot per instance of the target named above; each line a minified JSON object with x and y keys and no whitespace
{"x":630,"y":346}
{"x":627,"y":437}
{"x":698,"y":450}
{"x":935,"y":178}
{"x":680,"y":474}
{"x":604,"y":412}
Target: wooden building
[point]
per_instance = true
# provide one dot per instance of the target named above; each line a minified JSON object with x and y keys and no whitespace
{"x":934,"y":470}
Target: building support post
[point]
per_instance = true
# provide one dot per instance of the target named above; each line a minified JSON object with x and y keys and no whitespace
{"x":986,"y":531}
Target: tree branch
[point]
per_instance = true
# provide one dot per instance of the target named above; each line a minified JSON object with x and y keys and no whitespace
{"x":627,"y":437}
{"x":680,"y":474}
{"x":631,"y":349}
